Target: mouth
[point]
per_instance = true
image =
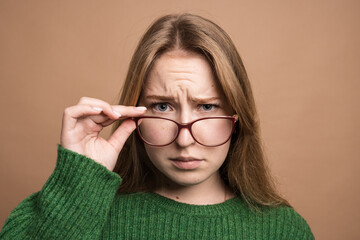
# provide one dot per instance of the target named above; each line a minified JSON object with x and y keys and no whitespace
{"x":186,"y":163}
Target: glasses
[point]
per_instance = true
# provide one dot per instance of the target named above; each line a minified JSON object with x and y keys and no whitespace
{"x":209,"y":132}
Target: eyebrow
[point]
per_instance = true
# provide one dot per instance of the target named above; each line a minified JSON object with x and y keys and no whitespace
{"x":193,"y":99}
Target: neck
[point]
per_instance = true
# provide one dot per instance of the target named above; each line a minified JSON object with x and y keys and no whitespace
{"x":211,"y":191}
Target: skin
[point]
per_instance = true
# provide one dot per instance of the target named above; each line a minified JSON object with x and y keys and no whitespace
{"x":181,"y":86}
{"x":191,"y":92}
{"x":83,"y":122}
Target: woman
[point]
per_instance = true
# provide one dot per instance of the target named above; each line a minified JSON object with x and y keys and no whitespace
{"x":194,"y":167}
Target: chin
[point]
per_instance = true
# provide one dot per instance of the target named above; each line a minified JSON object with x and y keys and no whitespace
{"x":185,"y":179}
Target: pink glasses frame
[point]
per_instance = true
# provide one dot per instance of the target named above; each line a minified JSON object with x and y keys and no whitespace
{"x":188,"y":126}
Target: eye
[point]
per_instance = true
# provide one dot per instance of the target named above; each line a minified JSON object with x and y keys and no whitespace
{"x":161,"y":107}
{"x":207,"y":107}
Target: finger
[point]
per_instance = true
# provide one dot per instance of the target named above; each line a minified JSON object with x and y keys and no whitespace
{"x":108,"y":122}
{"x":121,"y":134}
{"x":111,"y":121}
{"x":106,"y":107}
{"x":71,"y":114}
{"x":126,"y":111}
{"x":100,"y":119}
{"x":129,"y":111}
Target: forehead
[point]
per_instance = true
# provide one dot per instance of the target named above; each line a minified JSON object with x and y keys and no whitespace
{"x":178,"y":71}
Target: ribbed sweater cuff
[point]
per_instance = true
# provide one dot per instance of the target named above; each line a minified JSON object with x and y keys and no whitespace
{"x":74,"y":165}
{"x":75,"y":173}
{"x":79,"y":193}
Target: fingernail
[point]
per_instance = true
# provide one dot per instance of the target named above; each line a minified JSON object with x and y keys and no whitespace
{"x":97,"y":108}
{"x":141,"y":109}
{"x":117,"y":113}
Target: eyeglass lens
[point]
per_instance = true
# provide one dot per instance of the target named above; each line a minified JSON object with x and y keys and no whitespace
{"x":209,"y":132}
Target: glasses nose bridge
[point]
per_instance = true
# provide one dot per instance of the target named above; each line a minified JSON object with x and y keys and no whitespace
{"x":185,"y":125}
{"x":185,"y":138}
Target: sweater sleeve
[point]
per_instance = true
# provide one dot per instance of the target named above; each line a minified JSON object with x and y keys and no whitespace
{"x":73,"y":204}
{"x":294,"y":226}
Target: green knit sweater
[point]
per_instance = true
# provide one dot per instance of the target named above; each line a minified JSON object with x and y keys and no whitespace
{"x":79,"y":201}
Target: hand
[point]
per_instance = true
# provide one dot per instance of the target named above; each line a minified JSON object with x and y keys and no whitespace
{"x":83,"y":122}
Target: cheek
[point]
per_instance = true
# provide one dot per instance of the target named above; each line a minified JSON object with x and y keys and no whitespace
{"x":219,"y":154}
{"x":157,"y":155}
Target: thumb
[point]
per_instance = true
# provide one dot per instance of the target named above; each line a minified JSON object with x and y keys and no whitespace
{"x":121,"y":134}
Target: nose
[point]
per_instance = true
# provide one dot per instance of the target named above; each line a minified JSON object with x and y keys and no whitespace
{"x":184,"y":138}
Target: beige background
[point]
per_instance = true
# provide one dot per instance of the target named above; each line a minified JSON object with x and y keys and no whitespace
{"x":302,"y":56}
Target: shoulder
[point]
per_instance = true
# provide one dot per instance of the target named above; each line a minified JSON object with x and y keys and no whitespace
{"x":287,"y":222}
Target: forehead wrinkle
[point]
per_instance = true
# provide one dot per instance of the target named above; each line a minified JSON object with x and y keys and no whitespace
{"x":181,"y":87}
{"x":181,"y":78}
{"x":163,"y":92}
{"x":181,"y":71}
{"x":179,"y":92}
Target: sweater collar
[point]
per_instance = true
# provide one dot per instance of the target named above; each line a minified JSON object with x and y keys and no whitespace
{"x":229,"y":206}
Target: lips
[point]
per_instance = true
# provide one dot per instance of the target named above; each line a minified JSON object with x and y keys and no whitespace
{"x":186,"y":163}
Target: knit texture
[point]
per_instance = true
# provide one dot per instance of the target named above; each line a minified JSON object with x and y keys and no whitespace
{"x":79,"y":201}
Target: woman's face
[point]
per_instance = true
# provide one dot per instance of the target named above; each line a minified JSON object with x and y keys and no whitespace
{"x":181,"y":86}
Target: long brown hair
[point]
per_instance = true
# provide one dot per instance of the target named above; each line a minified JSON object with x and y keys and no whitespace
{"x":244,"y":169}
